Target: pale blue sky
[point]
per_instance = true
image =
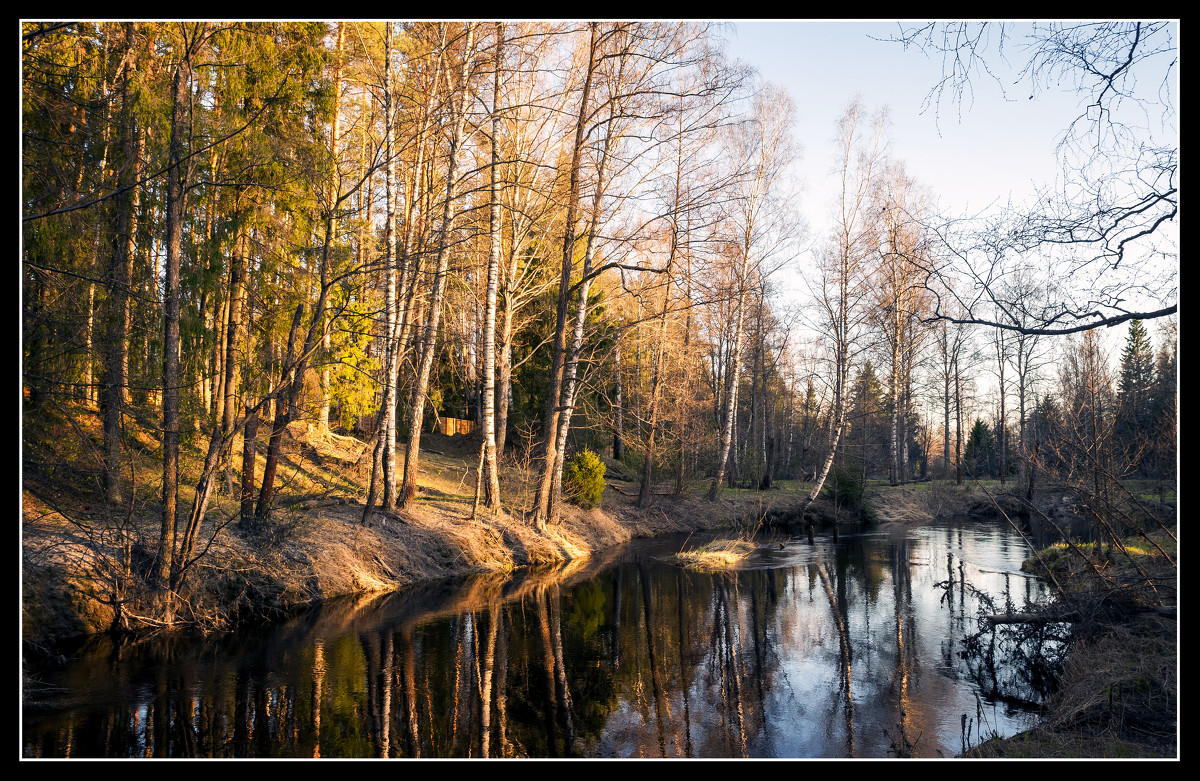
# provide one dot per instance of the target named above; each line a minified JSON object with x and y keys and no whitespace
{"x":998,"y":146}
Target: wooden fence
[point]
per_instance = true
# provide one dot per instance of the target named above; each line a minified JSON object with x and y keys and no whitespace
{"x":452,"y":426}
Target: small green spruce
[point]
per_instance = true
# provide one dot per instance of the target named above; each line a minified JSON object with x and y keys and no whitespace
{"x":584,"y":479}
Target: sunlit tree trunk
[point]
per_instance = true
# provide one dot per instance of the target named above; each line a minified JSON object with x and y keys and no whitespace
{"x":549,"y":453}
{"x":283,"y":407}
{"x":234,"y":337}
{"x":493,"y":274}
{"x":387,"y":424}
{"x":115,"y":389}
{"x":323,"y":410}
{"x":571,"y":367}
{"x":177,"y":176}
{"x":429,"y":337}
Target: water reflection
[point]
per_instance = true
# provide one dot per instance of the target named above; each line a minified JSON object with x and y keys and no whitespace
{"x":846,"y":650}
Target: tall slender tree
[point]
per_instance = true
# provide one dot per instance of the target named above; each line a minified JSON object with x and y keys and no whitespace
{"x":762,"y":150}
{"x":416,"y":413}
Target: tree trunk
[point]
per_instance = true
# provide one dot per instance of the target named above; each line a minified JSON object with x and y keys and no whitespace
{"x":429,"y":338}
{"x":233,"y":340}
{"x":618,"y":409}
{"x":176,"y":194}
{"x":323,"y":410}
{"x":387,"y":418}
{"x":489,"y":317}
{"x":116,"y":378}
{"x":894,"y":390}
{"x":731,"y":388}
{"x":958,"y":477}
{"x":283,"y":412}
{"x":543,"y":510}
{"x":249,"y":457}
{"x":571,"y":368}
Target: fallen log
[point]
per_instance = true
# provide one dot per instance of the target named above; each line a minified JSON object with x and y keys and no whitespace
{"x":1167,"y":611}
{"x":1031,"y":618}
{"x":336,"y":501}
{"x":617,"y":488}
{"x":622,"y":492}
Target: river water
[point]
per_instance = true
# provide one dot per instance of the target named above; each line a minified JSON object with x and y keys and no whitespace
{"x":851,"y":648}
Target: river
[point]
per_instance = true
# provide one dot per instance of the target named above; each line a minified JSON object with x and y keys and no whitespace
{"x":837,"y":649}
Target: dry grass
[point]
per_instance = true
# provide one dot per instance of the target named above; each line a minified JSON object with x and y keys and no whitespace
{"x":1044,"y":743}
{"x":1124,"y":677}
{"x":716,"y":555}
{"x":1118,"y":692}
{"x":316,"y":546}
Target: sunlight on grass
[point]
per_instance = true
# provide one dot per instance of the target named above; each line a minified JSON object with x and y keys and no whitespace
{"x":715,"y":555}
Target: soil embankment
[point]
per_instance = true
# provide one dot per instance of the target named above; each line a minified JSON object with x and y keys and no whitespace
{"x":81,"y":558}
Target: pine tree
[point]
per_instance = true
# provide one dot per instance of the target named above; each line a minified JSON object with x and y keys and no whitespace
{"x":1135,"y":415}
{"x":1163,"y":409}
{"x":980,"y":453}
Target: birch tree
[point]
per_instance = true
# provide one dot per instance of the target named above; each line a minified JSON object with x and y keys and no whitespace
{"x":762,"y":150}
{"x":416,"y":412}
{"x":842,"y":291}
{"x":899,"y":279}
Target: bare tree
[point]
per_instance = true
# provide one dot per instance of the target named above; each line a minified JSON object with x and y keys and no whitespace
{"x":842,"y":288}
{"x":762,"y":150}
{"x":902,"y":251}
{"x":950,"y":339}
{"x":1107,"y":227}
{"x":446,"y":225}
{"x":489,"y":459}
{"x":624,"y":112}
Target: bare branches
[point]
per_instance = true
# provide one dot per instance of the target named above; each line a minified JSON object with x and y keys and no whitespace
{"x":1106,"y":231}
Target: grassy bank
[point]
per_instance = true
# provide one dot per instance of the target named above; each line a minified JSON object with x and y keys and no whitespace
{"x":81,"y":556}
{"x":1117,"y":696}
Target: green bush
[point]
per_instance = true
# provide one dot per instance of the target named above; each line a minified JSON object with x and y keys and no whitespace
{"x":584,"y":479}
{"x":844,"y":486}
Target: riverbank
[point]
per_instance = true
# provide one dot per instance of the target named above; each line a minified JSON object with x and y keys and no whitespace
{"x":82,"y":558}
{"x":1117,"y":694}
{"x":79,"y":553}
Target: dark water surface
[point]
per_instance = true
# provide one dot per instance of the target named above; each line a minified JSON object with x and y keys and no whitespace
{"x":831,"y":650}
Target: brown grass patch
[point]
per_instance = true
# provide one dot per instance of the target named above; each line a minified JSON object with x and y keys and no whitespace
{"x":716,"y":555}
{"x":77,"y":549}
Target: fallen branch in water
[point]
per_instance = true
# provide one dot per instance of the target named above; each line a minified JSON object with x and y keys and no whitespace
{"x":1167,"y":611}
{"x":1031,"y":618}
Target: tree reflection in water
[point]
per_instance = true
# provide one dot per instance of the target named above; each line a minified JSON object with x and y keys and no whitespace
{"x":832,"y":650}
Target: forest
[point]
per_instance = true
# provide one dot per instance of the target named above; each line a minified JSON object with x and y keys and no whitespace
{"x":564,"y":239}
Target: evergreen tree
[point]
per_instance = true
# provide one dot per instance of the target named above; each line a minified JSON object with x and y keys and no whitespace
{"x":1163,"y":409}
{"x":1135,"y":415}
{"x":869,"y":421}
{"x":980,"y":457}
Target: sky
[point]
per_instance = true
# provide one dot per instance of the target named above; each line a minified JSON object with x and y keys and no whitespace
{"x":999,"y":145}
{"x":996,"y":147}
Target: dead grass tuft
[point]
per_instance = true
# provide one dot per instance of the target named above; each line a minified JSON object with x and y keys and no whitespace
{"x":1122,"y":681}
{"x":716,"y":555}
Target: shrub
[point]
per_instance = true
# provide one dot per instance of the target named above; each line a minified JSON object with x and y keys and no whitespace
{"x":584,"y":479}
{"x":844,"y":486}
